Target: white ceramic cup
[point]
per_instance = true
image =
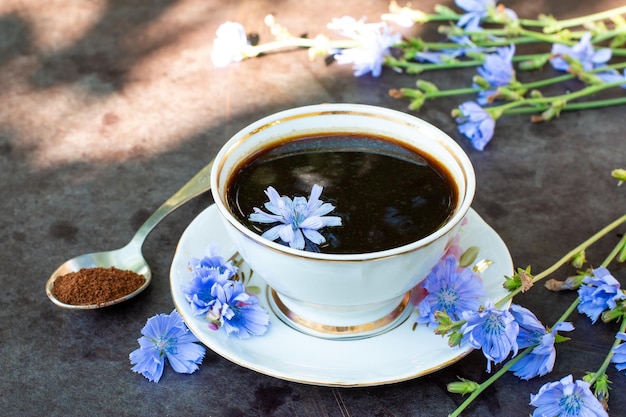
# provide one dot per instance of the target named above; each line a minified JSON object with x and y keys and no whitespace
{"x":336,"y":295}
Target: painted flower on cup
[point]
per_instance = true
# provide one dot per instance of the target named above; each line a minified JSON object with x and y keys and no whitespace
{"x":374,"y":39}
{"x":450,"y":290}
{"x":476,"y":124}
{"x":566,"y":398}
{"x":299,"y":218}
{"x":583,"y":52}
{"x":599,"y":292}
{"x":166,"y":337}
{"x":492,"y":330}
{"x":540,"y":360}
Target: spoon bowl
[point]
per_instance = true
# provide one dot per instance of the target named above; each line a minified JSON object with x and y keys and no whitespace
{"x":130,"y":257}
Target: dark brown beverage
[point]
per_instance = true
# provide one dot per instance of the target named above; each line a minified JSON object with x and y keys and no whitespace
{"x":386,"y":194}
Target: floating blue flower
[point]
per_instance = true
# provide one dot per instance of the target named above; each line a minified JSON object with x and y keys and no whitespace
{"x":619,"y":352}
{"x":540,"y":360}
{"x":237,"y":311}
{"x":492,"y":330}
{"x":583,"y":52}
{"x":598,"y":293}
{"x":566,"y":398}
{"x":166,"y":337}
{"x":230,"y":44}
{"x":450,"y":290}
{"x":206,"y":272}
{"x":299,"y":218}
{"x":476,"y":124}
{"x":497,"y":70}
{"x":374,"y":39}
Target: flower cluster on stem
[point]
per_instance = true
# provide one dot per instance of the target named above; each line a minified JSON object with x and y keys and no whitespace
{"x":215,"y":294}
{"x":514,"y":339}
{"x":479,"y":34}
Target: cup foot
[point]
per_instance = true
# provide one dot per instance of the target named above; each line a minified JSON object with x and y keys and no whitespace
{"x":347,"y":328}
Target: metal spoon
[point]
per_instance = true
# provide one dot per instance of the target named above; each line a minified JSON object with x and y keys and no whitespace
{"x":130,"y":257}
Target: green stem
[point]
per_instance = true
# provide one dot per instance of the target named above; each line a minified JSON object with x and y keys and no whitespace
{"x":530,"y":86}
{"x":483,"y":386}
{"x":578,"y":21}
{"x":558,"y":24}
{"x":592,"y":89}
{"x":607,"y":361}
{"x":568,"y":256}
{"x":596,"y":104}
{"x":486,"y":384}
{"x":616,"y":250}
{"x":295,"y":42}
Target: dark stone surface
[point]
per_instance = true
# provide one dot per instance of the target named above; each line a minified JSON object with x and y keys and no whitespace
{"x":108,"y":107}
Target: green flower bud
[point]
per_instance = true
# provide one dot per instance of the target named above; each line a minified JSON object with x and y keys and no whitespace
{"x":463,"y":386}
{"x":615,"y":313}
{"x":534,"y":63}
{"x":481,"y":82}
{"x":454,"y":339}
{"x":579,"y":259}
{"x":536,"y":94}
{"x":600,"y":387}
{"x":416,"y":103}
{"x":426,"y":86}
{"x":620,"y":174}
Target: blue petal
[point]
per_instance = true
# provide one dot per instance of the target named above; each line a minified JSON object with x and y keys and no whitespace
{"x":314,"y":236}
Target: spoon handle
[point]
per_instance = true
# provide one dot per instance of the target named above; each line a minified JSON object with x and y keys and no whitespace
{"x":200,"y":183}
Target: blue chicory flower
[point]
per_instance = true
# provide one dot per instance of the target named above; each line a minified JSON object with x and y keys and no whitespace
{"x":492,"y":330}
{"x":166,"y":337}
{"x":451,"y":290}
{"x":583,"y":52}
{"x":476,"y":11}
{"x":598,"y":293}
{"x":540,"y":360}
{"x":374,"y":39}
{"x":230,"y":44}
{"x":497,"y":70}
{"x":237,"y":311}
{"x":476,"y":124}
{"x":612,"y":76}
{"x":619,"y":352}
{"x":567,"y":398}
{"x":299,"y":218}
{"x":206,"y":272}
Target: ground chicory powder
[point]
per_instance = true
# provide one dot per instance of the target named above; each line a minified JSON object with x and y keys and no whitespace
{"x":96,"y":285}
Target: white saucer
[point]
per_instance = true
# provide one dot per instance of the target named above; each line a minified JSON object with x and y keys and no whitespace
{"x":397,"y":355}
